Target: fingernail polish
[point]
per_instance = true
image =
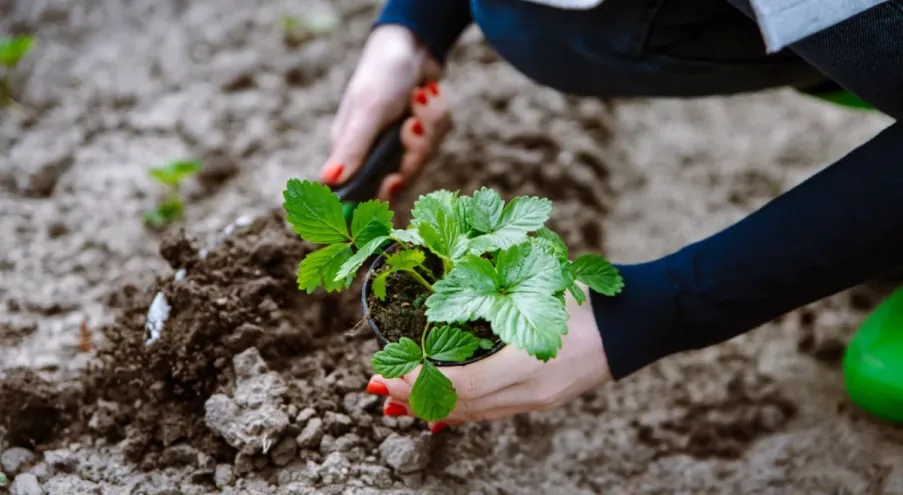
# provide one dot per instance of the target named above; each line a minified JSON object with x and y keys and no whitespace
{"x":417,"y":127}
{"x":395,"y":188}
{"x":420,"y":97}
{"x":377,"y":388}
{"x":332,"y":172}
{"x":438,"y":427}
{"x":433,"y":87}
{"x":395,"y":410}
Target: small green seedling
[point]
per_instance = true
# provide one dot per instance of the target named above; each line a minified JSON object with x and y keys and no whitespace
{"x":12,"y":51}
{"x":499,"y":264}
{"x":297,"y":30}
{"x":171,"y":208}
{"x":3,"y":480}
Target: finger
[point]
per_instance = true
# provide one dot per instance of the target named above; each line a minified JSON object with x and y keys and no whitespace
{"x":394,"y":408}
{"x":431,"y":108}
{"x":521,"y":397}
{"x":482,"y":377}
{"x":353,"y":142}
{"x":390,"y":187}
{"x":396,"y":388}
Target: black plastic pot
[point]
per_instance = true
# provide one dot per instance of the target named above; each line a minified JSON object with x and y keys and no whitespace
{"x":365,"y":290}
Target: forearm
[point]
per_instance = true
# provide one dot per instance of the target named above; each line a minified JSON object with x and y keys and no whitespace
{"x":838,"y":229}
{"x":436,"y":23}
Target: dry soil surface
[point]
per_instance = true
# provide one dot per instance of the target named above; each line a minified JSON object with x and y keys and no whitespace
{"x":254,"y":387}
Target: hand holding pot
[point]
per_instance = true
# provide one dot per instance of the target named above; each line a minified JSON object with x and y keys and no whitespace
{"x":511,"y":381}
{"x":384,"y":84}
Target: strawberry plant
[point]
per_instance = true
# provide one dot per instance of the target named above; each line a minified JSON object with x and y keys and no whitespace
{"x":171,"y":207}
{"x":475,"y":261}
{"x":12,"y":51}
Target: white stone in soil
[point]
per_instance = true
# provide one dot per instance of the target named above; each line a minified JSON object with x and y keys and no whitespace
{"x":13,"y":460}
{"x":406,"y":454}
{"x":157,"y":315}
{"x":26,"y":484}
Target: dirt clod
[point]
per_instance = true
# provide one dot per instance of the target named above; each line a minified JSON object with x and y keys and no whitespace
{"x":13,"y":460}
{"x":406,"y":454}
{"x":26,"y":484}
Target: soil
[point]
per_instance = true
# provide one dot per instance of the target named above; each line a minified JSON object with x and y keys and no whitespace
{"x":254,"y":387}
{"x":402,"y":313}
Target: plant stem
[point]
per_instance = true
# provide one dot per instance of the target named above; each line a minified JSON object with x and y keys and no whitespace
{"x":420,"y":279}
{"x":446,"y":266}
{"x":426,"y":330}
{"x":426,"y":273}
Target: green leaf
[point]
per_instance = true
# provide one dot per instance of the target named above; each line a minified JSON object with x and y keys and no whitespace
{"x":379,"y":285}
{"x":397,"y":359}
{"x":173,"y":173}
{"x":351,"y":266}
{"x":553,"y":242}
{"x":444,"y":237}
{"x":12,"y":50}
{"x":485,"y":209}
{"x":518,"y":297}
{"x":427,"y":207}
{"x":371,"y":219}
{"x":321,"y":267}
{"x":406,"y":260}
{"x":520,"y":217}
{"x":577,"y":292}
{"x":408,"y":236}
{"x":528,"y":268}
{"x":598,"y":274}
{"x":450,"y":344}
{"x":530,"y":321}
{"x":465,"y":294}
{"x":433,"y":396}
{"x":168,"y":211}
{"x":3,"y":480}
{"x":486,"y":344}
{"x":315,"y":212}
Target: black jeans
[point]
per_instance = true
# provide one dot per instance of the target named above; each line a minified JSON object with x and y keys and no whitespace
{"x":686,"y":48}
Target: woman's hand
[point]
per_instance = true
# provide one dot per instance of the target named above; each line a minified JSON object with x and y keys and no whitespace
{"x":392,"y":64}
{"x":511,"y":381}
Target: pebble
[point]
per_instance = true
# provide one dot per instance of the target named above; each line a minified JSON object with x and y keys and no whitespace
{"x":335,"y":469}
{"x":311,"y":435}
{"x":405,"y":454}
{"x":13,"y":460}
{"x":26,"y":484}
{"x":284,"y":451}
{"x":223,"y":476}
{"x":305,"y":415}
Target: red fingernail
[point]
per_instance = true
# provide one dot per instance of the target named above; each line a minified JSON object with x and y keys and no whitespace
{"x":332,"y":172}
{"x":433,"y":87}
{"x":420,"y":97}
{"x":395,"y":410}
{"x":395,"y":188}
{"x":377,"y":388}
{"x":417,"y":127}
{"x":438,"y":427}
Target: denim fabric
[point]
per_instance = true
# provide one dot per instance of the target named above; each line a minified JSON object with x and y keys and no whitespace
{"x":688,"y":48}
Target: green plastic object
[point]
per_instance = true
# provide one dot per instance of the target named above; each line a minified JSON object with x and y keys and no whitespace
{"x":844,"y":99}
{"x":873,"y":361}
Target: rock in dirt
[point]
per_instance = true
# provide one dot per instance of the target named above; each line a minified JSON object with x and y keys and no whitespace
{"x":254,"y":419}
{"x":223,"y":476}
{"x":284,"y":451}
{"x":311,"y":435}
{"x":26,"y":484}
{"x":372,"y":475}
{"x":406,"y":454}
{"x":63,"y":460}
{"x":335,"y":469}
{"x":71,"y":484}
{"x":305,"y":415}
{"x":179,"y":456}
{"x":13,"y":460}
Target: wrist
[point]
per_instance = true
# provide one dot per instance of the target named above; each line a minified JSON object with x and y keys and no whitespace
{"x":402,"y":44}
